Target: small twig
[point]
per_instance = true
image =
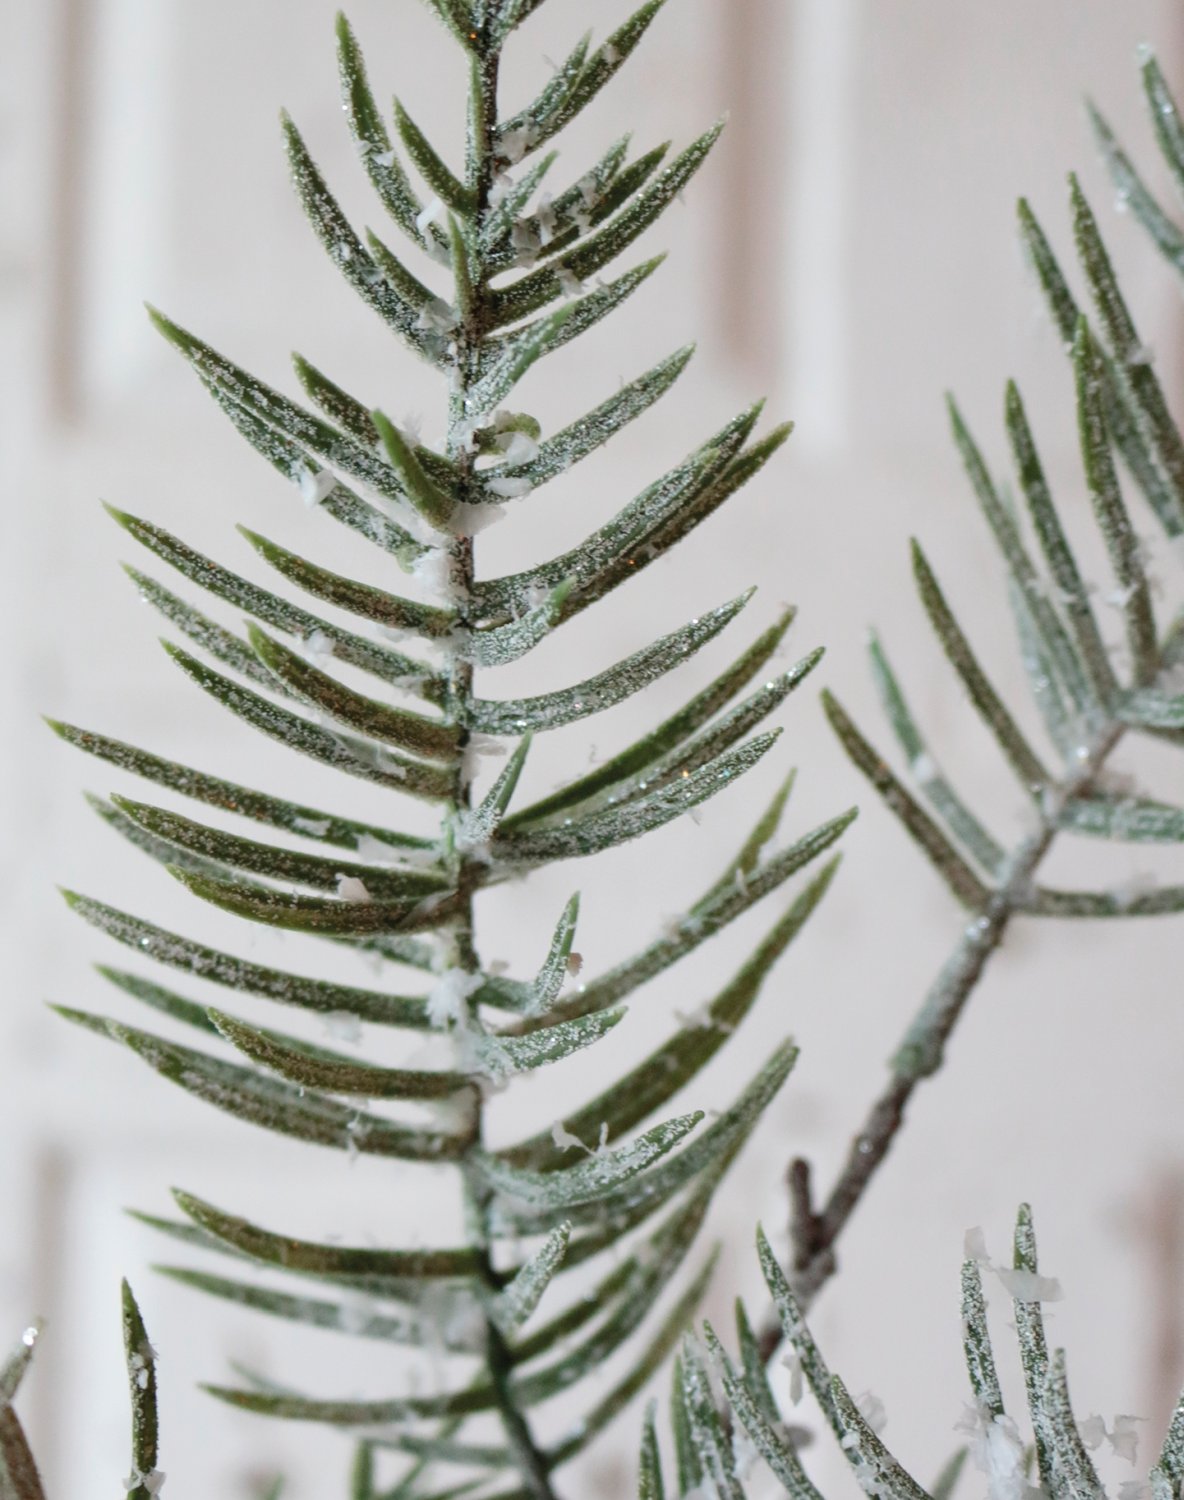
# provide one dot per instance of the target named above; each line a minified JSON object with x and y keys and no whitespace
{"x":813,"y":1233}
{"x":803,"y":1221}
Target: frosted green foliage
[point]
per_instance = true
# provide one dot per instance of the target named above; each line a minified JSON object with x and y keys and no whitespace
{"x":517,"y":356}
{"x":720,"y":906}
{"x":552,"y":710}
{"x":499,"y":645}
{"x":559,"y":453}
{"x":712,"y":1445}
{"x":673,"y":1065}
{"x":272,"y":1103}
{"x":1088,"y":693}
{"x":644,"y":1193}
{"x":976,"y":1343}
{"x":394,"y":1269}
{"x":748,"y":1398}
{"x":1061,"y":1441}
{"x":281,"y":614}
{"x":1132,"y":190}
{"x":496,"y":269}
{"x":650,"y":1484}
{"x":282,"y":864}
{"x":18,"y":1469}
{"x":514,"y":1304}
{"x":603,"y":830}
{"x":208,"y":963}
{"x":19,"y":1477}
{"x":333,"y":1075}
{"x":592,"y":1180}
{"x":145,"y":1479}
{"x":372,"y":604}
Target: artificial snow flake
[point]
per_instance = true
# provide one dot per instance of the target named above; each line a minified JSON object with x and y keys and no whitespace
{"x":480,"y":747}
{"x":974,"y":1246}
{"x":545,"y":214}
{"x":997,"y":1449}
{"x":1029,"y":1286}
{"x":152,"y":1481}
{"x":566,"y":1141}
{"x":514,"y":144}
{"x":436,"y":316}
{"x":699,"y":1019}
{"x":1141,"y":883}
{"x":353,"y":1317}
{"x":1092,"y":1431}
{"x":871,"y":1409}
{"x":432,"y":214}
{"x":343,"y":1025}
{"x":569,"y":283}
{"x":433,"y":568}
{"x":376,"y":851}
{"x":446,"y":999}
{"x":519,"y":448}
{"x":527,"y":243}
{"x":511,"y":487}
{"x":589,"y":190}
{"x":315,"y":484}
{"x":745,"y":1453}
{"x":468,"y":520}
{"x":315,"y":827}
{"x":385,"y":158}
{"x":792,"y":1361}
{"x":1123,"y":1438}
{"x":356,"y":1131}
{"x":140,"y":1368}
{"x":350,"y":888}
{"x":1134,"y":1489}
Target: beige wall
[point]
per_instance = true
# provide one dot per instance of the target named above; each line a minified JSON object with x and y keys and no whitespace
{"x":850,"y":250}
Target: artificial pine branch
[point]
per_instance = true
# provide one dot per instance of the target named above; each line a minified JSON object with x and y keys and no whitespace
{"x":1087,"y":701}
{"x":590,"y":1183}
{"x":412,"y":901}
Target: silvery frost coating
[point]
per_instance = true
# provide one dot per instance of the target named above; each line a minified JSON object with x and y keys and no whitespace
{"x":1055,"y":1463}
{"x":387,"y":686}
